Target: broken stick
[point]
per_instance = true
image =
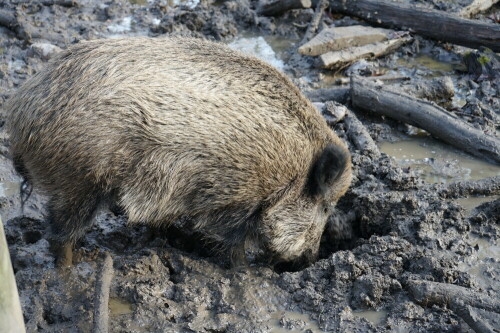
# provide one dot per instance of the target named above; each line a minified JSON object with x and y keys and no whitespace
{"x":486,"y":186}
{"x":343,"y":58}
{"x":338,"y":38}
{"x":428,"y":293}
{"x":359,"y":136}
{"x":427,"y":22}
{"x":278,"y":7}
{"x":467,"y":313}
{"x":316,"y":20}
{"x":437,"y":121}
{"x":103,"y":283}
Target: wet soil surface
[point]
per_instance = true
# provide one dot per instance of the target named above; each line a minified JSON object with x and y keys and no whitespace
{"x":393,"y":226}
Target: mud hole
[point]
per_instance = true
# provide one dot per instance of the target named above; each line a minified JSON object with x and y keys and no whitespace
{"x":394,"y":225}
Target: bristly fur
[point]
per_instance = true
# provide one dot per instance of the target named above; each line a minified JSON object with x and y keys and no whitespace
{"x":178,"y":127}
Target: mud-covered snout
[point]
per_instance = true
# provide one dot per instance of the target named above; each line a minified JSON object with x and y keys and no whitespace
{"x":306,"y":259}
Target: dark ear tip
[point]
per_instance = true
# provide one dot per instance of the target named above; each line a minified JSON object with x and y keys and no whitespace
{"x":327,"y":169}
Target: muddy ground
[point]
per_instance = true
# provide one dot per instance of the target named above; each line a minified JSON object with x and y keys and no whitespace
{"x":393,"y":226}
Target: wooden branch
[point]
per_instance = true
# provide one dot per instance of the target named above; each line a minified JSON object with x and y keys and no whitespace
{"x":467,"y":313}
{"x":316,"y":20}
{"x":341,"y":59}
{"x":428,"y":293}
{"x":338,"y":38}
{"x":103,"y":283}
{"x":11,"y":315}
{"x":475,"y":7}
{"x":486,"y":186}
{"x":437,"y":121}
{"x":427,"y":22}
{"x":359,"y":136}
{"x":278,"y":7}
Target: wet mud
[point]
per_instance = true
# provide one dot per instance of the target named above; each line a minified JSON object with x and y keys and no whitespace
{"x":396,"y":224}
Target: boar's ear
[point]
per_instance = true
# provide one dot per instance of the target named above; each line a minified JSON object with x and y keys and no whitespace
{"x":327,"y":168}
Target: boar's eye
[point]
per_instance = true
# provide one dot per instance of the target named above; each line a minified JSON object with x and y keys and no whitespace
{"x":326,"y":170}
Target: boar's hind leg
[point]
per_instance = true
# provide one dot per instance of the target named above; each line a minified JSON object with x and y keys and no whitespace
{"x":70,"y":216}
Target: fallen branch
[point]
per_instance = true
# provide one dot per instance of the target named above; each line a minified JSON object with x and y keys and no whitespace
{"x":103,"y":283}
{"x":437,"y":121}
{"x":467,"y":313}
{"x":359,"y":135}
{"x":341,"y":59}
{"x":428,"y":293}
{"x":427,"y":22}
{"x":316,"y":20}
{"x":484,"y":187}
{"x":278,"y":7}
{"x":475,"y":7}
{"x":338,"y":38}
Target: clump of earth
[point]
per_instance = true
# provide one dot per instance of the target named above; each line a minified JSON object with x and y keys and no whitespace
{"x":395,"y":225}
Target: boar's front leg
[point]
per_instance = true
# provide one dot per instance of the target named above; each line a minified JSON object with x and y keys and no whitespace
{"x":71,"y":214}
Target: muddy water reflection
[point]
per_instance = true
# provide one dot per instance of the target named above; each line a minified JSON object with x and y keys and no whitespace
{"x":375,"y":317}
{"x":118,"y":306}
{"x":9,"y":188}
{"x":287,"y":321}
{"x":438,"y":162}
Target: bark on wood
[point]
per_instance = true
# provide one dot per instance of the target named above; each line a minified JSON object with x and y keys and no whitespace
{"x":359,"y":135}
{"x":486,"y":186}
{"x":437,"y":121}
{"x":11,"y":316}
{"x":343,"y":58}
{"x":429,"y":293}
{"x":338,"y":38}
{"x":475,"y":7}
{"x":316,"y":20}
{"x":278,"y":7}
{"x":323,"y":95}
{"x":437,"y":89}
{"x":427,"y":22}
{"x":103,"y":283}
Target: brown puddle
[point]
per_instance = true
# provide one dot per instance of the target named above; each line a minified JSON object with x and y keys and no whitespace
{"x":375,"y":317}
{"x":303,"y":323}
{"x":118,"y":306}
{"x":9,"y":188}
{"x":438,"y":162}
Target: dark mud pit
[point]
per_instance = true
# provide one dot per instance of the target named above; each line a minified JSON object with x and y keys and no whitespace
{"x":414,"y":213}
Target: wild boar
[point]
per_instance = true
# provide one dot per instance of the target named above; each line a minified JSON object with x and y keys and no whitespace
{"x":173,"y":128}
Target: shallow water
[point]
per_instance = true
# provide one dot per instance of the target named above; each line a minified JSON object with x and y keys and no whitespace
{"x":9,"y":188}
{"x":375,"y":317}
{"x":303,"y":323}
{"x":118,"y":306}
{"x":438,"y":162}
{"x":428,"y":63}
